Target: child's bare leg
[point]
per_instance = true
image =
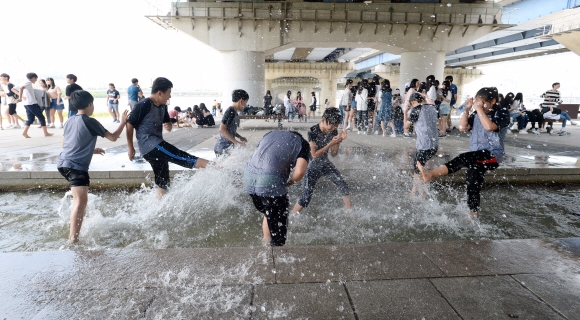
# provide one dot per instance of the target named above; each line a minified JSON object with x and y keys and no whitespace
{"x":297,"y":208}
{"x":347,"y":202}
{"x":392,"y":124}
{"x":430,"y":174}
{"x":25,"y":132}
{"x":46,"y":134}
{"x":266,"y":231}
{"x":474,"y":214}
{"x":160,"y":193}
{"x":80,"y":199}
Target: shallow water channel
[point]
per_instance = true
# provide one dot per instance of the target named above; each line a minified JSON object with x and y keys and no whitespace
{"x":210,"y":209}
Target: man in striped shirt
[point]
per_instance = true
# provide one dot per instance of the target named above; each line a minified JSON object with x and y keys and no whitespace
{"x":552,"y":97}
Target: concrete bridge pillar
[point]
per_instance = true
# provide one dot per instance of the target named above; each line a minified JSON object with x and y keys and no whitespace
{"x":328,"y":91}
{"x":421,"y":64}
{"x":244,"y":70}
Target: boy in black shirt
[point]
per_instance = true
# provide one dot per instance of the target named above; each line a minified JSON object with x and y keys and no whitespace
{"x":323,"y":137}
{"x":71,"y":79}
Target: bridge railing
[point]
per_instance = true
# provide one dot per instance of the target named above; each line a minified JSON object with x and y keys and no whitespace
{"x":563,"y":24}
{"x":483,"y":13}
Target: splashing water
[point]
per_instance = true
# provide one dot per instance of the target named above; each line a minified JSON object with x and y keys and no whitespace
{"x":209,"y":208}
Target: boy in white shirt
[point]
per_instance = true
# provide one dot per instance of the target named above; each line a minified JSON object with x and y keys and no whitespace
{"x":33,"y":110}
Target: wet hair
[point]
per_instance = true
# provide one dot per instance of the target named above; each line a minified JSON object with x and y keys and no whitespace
{"x":416,"y":97}
{"x":239,"y":94}
{"x":31,"y":75}
{"x":519,"y":97}
{"x":52,"y":84}
{"x":386,"y":85}
{"x":488,"y":94}
{"x":555,"y":84}
{"x":449,"y":78}
{"x":500,"y":97}
{"x":178,"y":109}
{"x":305,"y":144}
{"x":413,"y":84}
{"x":72,"y":77}
{"x":81,"y":99}
{"x":332,"y":116}
{"x":111,"y":85}
{"x":5,"y":75}
{"x":161,"y":84}
{"x":423,"y":87}
{"x":360,"y":87}
{"x":430,"y":80}
{"x":365,"y":83}
{"x":348,"y":81}
{"x":134,"y":80}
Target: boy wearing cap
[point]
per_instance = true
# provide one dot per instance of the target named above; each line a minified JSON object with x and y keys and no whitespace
{"x":425,"y":118}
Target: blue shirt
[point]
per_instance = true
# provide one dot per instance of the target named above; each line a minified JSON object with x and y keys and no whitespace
{"x":133,"y":92}
{"x":493,"y":141}
{"x":80,"y":138}
{"x":269,"y":167}
{"x":453,"y":93}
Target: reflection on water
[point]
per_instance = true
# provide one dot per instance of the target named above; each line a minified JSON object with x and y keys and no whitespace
{"x":210,"y":209}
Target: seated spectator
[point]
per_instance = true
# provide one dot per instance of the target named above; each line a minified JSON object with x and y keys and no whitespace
{"x":174,"y":115}
{"x":207,"y":116}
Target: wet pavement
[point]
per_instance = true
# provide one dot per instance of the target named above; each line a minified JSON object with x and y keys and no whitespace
{"x":502,"y":279}
{"x":529,"y":158}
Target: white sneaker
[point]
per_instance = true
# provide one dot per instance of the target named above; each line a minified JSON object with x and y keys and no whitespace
{"x":61,"y":126}
{"x":347,"y":127}
{"x":573,"y":123}
{"x":51,"y":125}
{"x":377,"y":132}
{"x":358,"y":132}
{"x":394,"y":135}
{"x":16,"y":127}
{"x":535,"y":131}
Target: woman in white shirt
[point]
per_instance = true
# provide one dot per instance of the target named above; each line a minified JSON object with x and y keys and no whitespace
{"x":361,"y":107}
{"x":290,"y":109}
{"x":431,"y":89}
{"x":445,"y":108}
{"x":344,"y":105}
{"x":413,"y":87}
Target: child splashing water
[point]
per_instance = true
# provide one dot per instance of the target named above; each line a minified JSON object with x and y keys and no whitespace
{"x":488,"y":123}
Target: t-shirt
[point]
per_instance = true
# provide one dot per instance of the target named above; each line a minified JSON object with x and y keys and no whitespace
{"x":133,"y":92}
{"x":173,"y":114}
{"x":267,"y":100}
{"x":69,"y":90}
{"x":269,"y":167}
{"x":113,"y":94}
{"x":232,"y":121}
{"x":492,"y":141}
{"x":80,"y":138}
{"x":454,"y":92}
{"x":28,"y":94}
{"x":313,"y":102}
{"x":148,"y":120}
{"x":9,"y":98}
{"x":425,"y":119}
{"x":551,"y":98}
{"x":321,"y":140}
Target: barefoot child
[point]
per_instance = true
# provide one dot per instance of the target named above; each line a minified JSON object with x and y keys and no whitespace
{"x":266,"y":179}
{"x":230,"y":123}
{"x":323,"y":137}
{"x":148,"y":118}
{"x":31,"y":105}
{"x":80,"y":138}
{"x":488,"y":124}
{"x":424,"y":118}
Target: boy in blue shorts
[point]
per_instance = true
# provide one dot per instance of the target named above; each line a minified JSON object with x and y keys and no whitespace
{"x":230,"y":123}
{"x":80,"y":138}
{"x":324,"y":137}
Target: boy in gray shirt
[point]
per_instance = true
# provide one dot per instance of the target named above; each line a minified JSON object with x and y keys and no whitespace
{"x":80,"y":138}
{"x":424,"y":117}
{"x":230,"y":123}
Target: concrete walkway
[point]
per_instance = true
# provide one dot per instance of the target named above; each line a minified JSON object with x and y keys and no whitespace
{"x":506,"y":279}
{"x":530,"y":158}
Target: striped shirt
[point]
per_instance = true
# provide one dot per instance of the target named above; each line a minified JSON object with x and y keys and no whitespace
{"x":551,"y":98}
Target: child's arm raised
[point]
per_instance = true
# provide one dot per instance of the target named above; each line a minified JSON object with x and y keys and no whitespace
{"x":334,"y":149}
{"x":115,"y":135}
{"x":319,"y":152}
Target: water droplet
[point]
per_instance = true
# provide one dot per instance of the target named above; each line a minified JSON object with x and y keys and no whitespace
{"x":449,"y":4}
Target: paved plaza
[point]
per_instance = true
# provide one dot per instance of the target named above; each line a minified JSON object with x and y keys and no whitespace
{"x":486,"y":279}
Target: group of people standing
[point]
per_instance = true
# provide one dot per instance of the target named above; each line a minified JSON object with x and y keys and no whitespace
{"x":297,"y":107}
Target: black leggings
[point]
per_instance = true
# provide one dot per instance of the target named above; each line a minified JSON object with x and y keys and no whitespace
{"x":275,"y":209}
{"x":160,"y":157}
{"x":477,"y":164}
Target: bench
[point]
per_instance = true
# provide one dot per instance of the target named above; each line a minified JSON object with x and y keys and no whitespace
{"x":278,"y":117}
{"x":572,"y":110}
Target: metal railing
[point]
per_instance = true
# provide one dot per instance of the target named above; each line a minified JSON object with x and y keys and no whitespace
{"x":563,"y":24}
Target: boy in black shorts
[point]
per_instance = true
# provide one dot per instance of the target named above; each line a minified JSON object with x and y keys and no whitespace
{"x":424,"y":119}
{"x":148,"y":118}
{"x":324,"y":137}
{"x":80,"y":138}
